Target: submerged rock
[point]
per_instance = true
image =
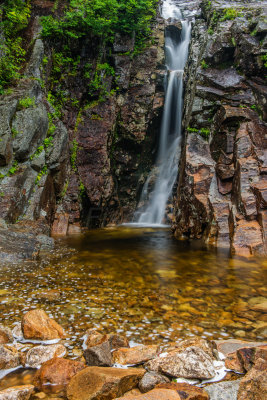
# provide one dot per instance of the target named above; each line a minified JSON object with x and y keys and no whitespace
{"x":37,"y":325}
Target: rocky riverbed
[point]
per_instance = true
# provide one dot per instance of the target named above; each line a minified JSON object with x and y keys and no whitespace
{"x":35,"y":364}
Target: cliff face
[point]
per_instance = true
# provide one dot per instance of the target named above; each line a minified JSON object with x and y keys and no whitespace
{"x":222,"y":185}
{"x":85,"y":166}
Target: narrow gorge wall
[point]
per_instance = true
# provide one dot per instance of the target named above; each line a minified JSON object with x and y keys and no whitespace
{"x":222,"y":185}
{"x":84,"y":166}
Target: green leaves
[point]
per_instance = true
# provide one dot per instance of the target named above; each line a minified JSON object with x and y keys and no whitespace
{"x":103,"y":18}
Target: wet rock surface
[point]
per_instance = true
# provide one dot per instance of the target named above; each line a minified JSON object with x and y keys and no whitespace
{"x":37,"y":325}
{"x":97,"y":382}
{"x":222,"y":169}
{"x":17,"y":393}
{"x":38,"y":355}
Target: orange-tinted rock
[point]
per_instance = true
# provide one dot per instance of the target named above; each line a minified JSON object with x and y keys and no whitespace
{"x":186,"y":391}
{"x":249,"y":356}
{"x":5,"y":335}
{"x":57,"y":373}
{"x":247,"y":239}
{"x":37,"y":325}
{"x":95,"y":383}
{"x":155,"y":394}
{"x":60,"y":225}
{"x":254,"y":384}
{"x":232,"y":362}
{"x":134,"y":355}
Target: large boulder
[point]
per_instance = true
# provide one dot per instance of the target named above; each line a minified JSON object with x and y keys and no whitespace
{"x":37,"y":325}
{"x":192,"y":362}
{"x":95,"y":383}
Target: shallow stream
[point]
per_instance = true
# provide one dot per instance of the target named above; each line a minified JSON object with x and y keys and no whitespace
{"x":142,"y":283}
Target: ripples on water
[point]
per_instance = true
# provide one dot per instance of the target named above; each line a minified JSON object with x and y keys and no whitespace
{"x":140,"y":282}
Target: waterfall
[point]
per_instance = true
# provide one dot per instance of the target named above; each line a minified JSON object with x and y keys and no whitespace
{"x":159,"y":184}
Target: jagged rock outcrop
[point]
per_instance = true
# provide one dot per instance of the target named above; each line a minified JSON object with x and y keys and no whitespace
{"x":222,"y":180}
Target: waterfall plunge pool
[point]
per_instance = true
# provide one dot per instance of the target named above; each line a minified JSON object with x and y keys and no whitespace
{"x":140,"y":282}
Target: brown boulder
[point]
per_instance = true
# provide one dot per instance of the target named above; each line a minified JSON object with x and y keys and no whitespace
{"x":56,"y":372}
{"x":95,"y":383}
{"x":37,"y":325}
{"x":254,"y":384}
{"x":186,"y":391}
{"x":135,"y":355}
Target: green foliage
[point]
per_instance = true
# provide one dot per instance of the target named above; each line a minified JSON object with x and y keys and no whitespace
{"x":14,"y":132}
{"x":43,"y":172}
{"x":230,"y":14}
{"x":14,"y":17}
{"x":204,"y":132}
{"x":233,"y":41}
{"x":73,"y":154}
{"x":192,"y":129}
{"x":26,"y":103}
{"x":204,"y":65}
{"x":82,"y":190}
{"x":102,"y":18}
{"x":65,"y":188}
{"x":38,"y":151}
{"x":48,"y":142}
{"x":264,"y":59}
{"x":13,"y":169}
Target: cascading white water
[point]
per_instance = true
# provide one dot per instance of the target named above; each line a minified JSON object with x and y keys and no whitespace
{"x":176,"y":51}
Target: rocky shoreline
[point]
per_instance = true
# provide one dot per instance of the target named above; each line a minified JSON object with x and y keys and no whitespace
{"x":108,"y":366}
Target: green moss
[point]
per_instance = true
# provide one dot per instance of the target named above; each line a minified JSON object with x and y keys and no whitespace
{"x":43,"y":172}
{"x":73,"y":154}
{"x":26,"y":103}
{"x":230,"y":14}
{"x":204,"y":65}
